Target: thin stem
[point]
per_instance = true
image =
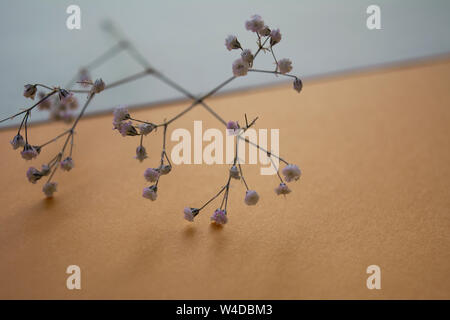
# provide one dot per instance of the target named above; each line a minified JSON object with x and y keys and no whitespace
{"x":54,"y":139}
{"x":226,"y":193}
{"x":273,"y":72}
{"x":163,"y":153}
{"x":109,"y":54}
{"x":262,"y":149}
{"x":71,"y":130}
{"x":236,"y":159}
{"x":273,"y":55}
{"x":26,"y":126}
{"x":210,"y":110}
{"x":52,"y":162}
{"x":220,"y":86}
{"x":30,"y":108}
{"x":21,"y":124}
{"x":275,"y":167}
{"x":177,"y":87}
{"x":82,"y":111}
{"x":79,"y":91}
{"x":242,"y":176}
{"x":210,"y":200}
{"x":58,"y":158}
{"x":261,"y":47}
{"x":173,"y":84}
{"x":164,"y":139}
{"x":167,"y":158}
{"x":44,"y":86}
{"x":71,"y":144}
{"x":180,"y":114}
{"x":141,"y":121}
{"x":128,"y":79}
{"x":135,"y":54}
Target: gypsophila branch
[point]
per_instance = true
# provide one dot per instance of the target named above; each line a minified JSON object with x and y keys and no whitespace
{"x":61,"y":106}
{"x":273,"y":72}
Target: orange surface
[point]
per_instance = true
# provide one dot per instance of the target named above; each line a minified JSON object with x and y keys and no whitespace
{"x":374,"y":150}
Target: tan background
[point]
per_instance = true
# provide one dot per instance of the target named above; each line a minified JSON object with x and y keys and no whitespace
{"x":374,"y":150}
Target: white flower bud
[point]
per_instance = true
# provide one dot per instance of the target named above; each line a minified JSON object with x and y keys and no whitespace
{"x":284,"y":65}
{"x":150,"y":192}
{"x":251,"y":197}
{"x":99,"y":86}
{"x":231,"y":42}
{"x":298,"y":85}
{"x":247,"y":57}
{"x":255,"y":23}
{"x":240,"y":67}
{"x":234,"y":173}
{"x":49,"y":188}
{"x":291,"y":172}
{"x":29,"y":91}
{"x":141,"y":153}
{"x":17,"y":142}
{"x":275,"y":37}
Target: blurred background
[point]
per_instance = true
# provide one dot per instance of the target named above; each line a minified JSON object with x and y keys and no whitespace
{"x":185,"y":41}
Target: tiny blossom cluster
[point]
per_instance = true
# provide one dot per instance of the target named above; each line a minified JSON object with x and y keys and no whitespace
{"x":67,"y":164}
{"x":298,"y":85}
{"x":219,"y":217}
{"x":275,"y":37}
{"x":61,"y":107}
{"x":49,"y":189}
{"x":120,"y":114}
{"x":18,"y":142}
{"x":247,"y":57}
{"x":233,"y":127}
{"x":251,"y":197}
{"x":141,"y":153}
{"x":240,"y":67}
{"x":98,"y":86}
{"x":34,"y":174}
{"x":231,"y":42}
{"x":282,"y":189}
{"x":165,"y":169}
{"x":65,"y":95}
{"x":127,"y":129}
{"x":29,"y":91}
{"x":291,"y":172}
{"x":190,"y":213}
{"x":284,"y":66}
{"x":234,"y":172}
{"x":151,"y":174}
{"x":146,"y":128}
{"x":255,"y":24}
{"x":30,"y":152}
{"x":60,"y":103}
{"x":150,"y":192}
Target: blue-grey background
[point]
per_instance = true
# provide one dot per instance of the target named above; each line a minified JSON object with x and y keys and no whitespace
{"x":185,"y":40}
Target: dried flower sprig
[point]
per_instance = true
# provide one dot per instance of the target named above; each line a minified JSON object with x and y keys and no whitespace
{"x":219,"y":217}
{"x":61,"y":103}
{"x":240,"y":67}
{"x":61,"y":110}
